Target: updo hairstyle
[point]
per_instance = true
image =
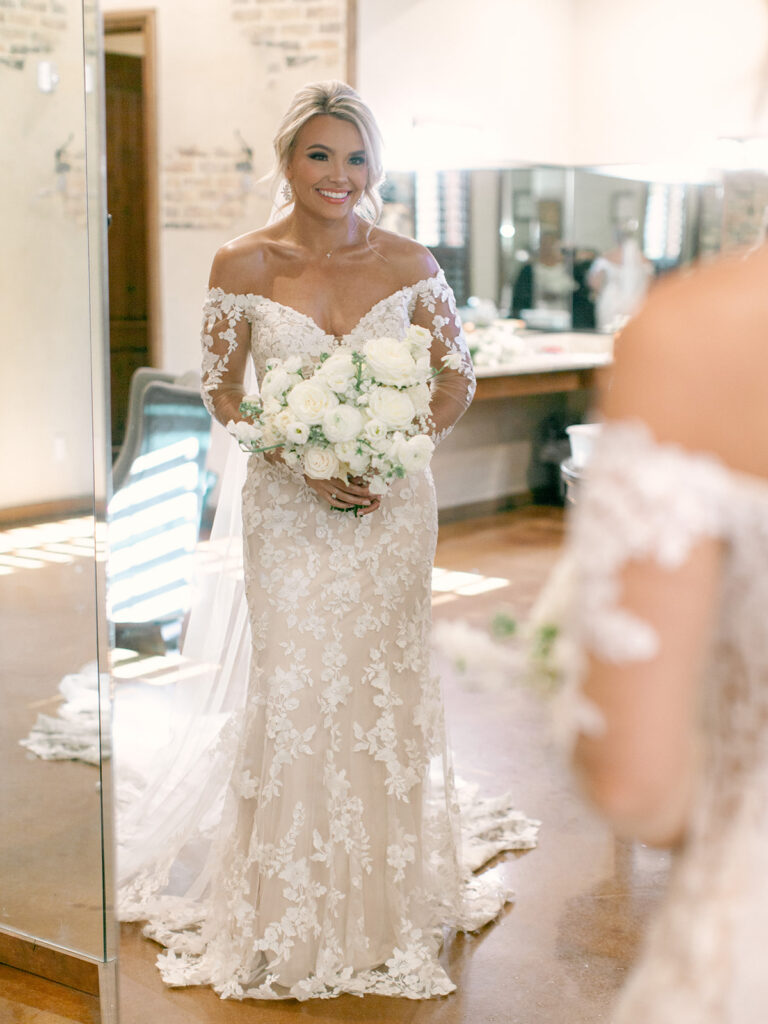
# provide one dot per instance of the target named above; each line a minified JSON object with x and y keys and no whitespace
{"x":338,"y":100}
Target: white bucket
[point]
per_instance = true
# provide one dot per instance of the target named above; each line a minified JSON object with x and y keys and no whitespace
{"x":582,"y":437}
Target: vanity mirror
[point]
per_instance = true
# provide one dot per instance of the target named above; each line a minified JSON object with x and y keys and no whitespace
{"x":522,"y":240}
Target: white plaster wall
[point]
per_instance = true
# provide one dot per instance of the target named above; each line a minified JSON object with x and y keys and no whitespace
{"x":659,"y":80}
{"x":484,"y":242}
{"x":457,"y":84}
{"x":496,"y":82}
{"x":592,"y":223}
{"x":45,"y":377}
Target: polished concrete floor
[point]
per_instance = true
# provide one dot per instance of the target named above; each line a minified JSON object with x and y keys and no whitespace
{"x":558,"y":954}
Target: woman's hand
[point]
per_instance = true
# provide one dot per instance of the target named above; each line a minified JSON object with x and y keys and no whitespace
{"x":340,"y":495}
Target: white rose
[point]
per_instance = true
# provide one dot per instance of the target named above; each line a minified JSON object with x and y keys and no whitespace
{"x":310,"y":401}
{"x":419,"y":340}
{"x":320,"y":463}
{"x":297,"y":432}
{"x":421,"y":396}
{"x":291,"y":458}
{"x":390,"y":361}
{"x":393,"y":408}
{"x":275,"y":383}
{"x":338,"y":371}
{"x":342,"y":423}
{"x":414,"y":453}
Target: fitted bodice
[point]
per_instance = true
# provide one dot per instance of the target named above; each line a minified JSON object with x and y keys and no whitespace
{"x":237,"y":326}
{"x":279,"y":331}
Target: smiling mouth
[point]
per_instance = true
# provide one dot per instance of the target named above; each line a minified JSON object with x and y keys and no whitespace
{"x":333,"y":196}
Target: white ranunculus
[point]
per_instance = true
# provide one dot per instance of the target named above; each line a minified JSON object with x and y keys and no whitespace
{"x":420,"y":395}
{"x":394,"y":408}
{"x":343,"y":423}
{"x":275,"y":383}
{"x":272,"y":407}
{"x":414,"y":453}
{"x":338,"y":371}
{"x":291,"y":458}
{"x":375,"y":431}
{"x":293,"y":364}
{"x":347,"y":452}
{"x":320,"y":463}
{"x":309,"y":401}
{"x":419,"y":340}
{"x":282,"y":421}
{"x":297,"y":432}
{"x":390,"y":361}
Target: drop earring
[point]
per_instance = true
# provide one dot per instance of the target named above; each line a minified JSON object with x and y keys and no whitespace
{"x":286,"y":192}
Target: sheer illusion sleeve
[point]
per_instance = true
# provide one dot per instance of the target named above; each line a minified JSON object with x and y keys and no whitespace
{"x":225,"y":342}
{"x":643,"y":502}
{"x":453,"y":389}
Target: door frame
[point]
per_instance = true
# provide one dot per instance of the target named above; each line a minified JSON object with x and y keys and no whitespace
{"x":144,"y":21}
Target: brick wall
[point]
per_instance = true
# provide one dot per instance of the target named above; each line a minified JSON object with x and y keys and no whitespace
{"x":29,"y":27}
{"x":204,"y":187}
{"x":294,"y":32}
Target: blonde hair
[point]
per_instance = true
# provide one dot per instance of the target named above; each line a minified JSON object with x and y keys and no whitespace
{"x":336,"y":99}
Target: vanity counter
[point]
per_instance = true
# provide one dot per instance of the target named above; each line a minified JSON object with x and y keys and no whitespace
{"x":546,"y":364}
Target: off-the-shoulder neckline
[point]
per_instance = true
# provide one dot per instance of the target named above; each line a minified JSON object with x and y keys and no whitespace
{"x":639,"y":430}
{"x":219,"y":293}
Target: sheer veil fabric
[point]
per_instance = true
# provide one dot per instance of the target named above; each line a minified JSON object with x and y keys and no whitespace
{"x":299,"y":835}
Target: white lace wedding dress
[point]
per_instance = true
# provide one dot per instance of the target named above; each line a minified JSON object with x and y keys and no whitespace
{"x":330,"y":861}
{"x":704,"y":960}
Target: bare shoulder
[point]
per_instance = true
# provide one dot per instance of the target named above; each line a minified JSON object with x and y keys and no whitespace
{"x":694,"y":360}
{"x":240,"y":264}
{"x":411,"y":262}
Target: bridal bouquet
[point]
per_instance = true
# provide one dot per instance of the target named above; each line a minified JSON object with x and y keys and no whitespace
{"x":362,"y":414}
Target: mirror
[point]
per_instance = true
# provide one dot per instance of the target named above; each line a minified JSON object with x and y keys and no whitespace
{"x":55,"y":814}
{"x":524,"y":242}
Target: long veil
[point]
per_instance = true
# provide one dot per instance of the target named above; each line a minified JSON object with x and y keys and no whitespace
{"x":172,"y":761}
{"x":171,"y":756}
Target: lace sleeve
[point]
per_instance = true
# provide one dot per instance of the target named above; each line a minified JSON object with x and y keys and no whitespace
{"x":453,"y":389}
{"x":225,"y":341}
{"x":643,"y":501}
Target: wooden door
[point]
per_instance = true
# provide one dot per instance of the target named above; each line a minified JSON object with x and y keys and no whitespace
{"x":129,"y":340}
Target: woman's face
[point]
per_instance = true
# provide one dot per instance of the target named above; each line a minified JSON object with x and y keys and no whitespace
{"x":328,"y":170}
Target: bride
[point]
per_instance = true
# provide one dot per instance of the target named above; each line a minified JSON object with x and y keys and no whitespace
{"x":309,"y":846}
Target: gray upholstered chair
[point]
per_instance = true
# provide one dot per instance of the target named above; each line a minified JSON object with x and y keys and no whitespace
{"x":160,"y":485}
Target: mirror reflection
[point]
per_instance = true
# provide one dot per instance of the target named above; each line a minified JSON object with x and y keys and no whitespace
{"x":556,"y":248}
{"x":54,"y":839}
